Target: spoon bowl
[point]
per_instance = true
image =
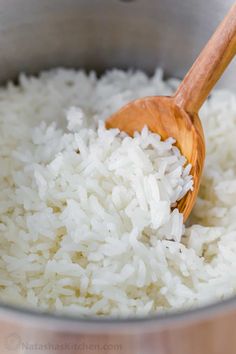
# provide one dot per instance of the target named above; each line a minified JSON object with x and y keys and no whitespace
{"x":163,"y":116}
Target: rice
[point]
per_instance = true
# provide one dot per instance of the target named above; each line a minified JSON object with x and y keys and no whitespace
{"x":88,"y":223}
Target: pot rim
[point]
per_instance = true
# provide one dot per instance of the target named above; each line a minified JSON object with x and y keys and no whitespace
{"x":52,"y":320}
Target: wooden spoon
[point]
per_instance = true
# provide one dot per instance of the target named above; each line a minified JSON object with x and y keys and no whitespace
{"x":177,"y":116}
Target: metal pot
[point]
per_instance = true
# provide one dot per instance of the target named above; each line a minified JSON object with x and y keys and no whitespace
{"x":101,"y":34}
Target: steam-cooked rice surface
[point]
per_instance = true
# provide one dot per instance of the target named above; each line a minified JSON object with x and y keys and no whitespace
{"x":86,"y":225}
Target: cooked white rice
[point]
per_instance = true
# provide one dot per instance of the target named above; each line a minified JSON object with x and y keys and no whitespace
{"x":86,"y":225}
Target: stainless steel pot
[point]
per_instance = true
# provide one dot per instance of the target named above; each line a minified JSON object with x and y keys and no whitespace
{"x":100,"y":34}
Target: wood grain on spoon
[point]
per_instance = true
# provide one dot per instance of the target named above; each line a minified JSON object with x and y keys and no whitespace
{"x":177,"y":116}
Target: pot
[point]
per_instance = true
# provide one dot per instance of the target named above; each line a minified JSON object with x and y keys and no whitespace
{"x":102,"y":34}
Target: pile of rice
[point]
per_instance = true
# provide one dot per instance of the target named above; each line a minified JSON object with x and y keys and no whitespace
{"x":88,"y":223}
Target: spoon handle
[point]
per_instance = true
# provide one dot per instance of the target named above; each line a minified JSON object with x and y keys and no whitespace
{"x":209,"y":66}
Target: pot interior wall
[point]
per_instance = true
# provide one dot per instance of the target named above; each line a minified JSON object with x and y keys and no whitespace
{"x":101,"y":34}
